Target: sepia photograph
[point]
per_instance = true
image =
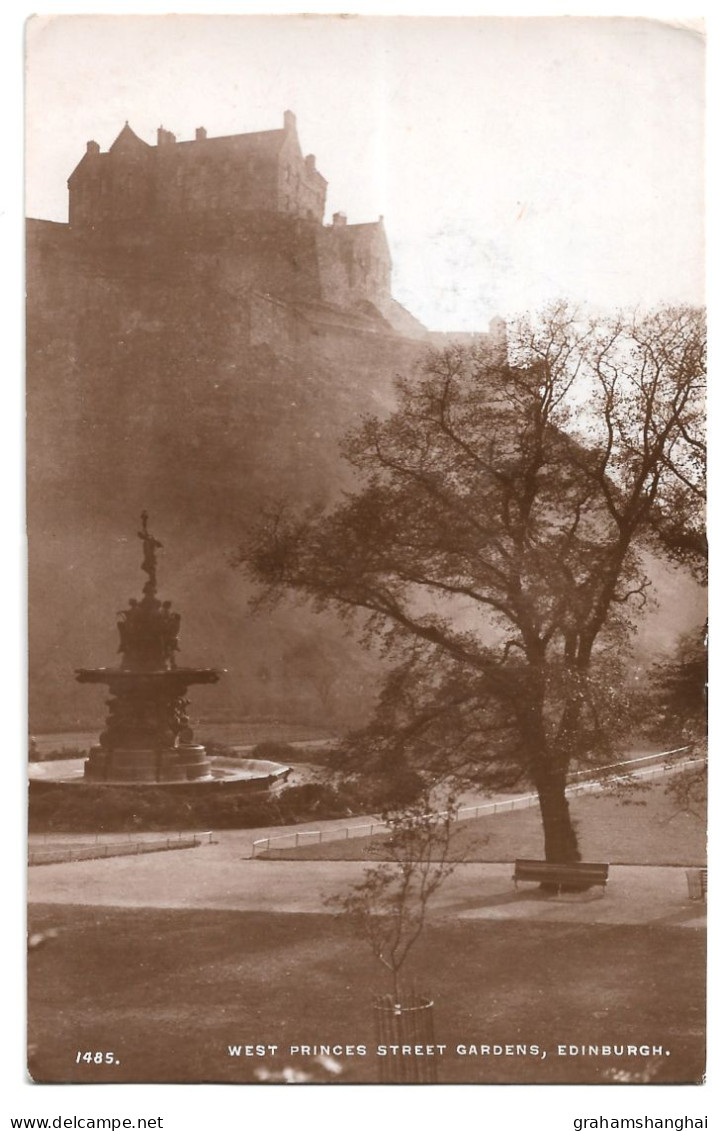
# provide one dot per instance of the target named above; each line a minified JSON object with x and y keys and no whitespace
{"x":367,"y":557}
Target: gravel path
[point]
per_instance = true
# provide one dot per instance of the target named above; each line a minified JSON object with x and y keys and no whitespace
{"x":219,"y":877}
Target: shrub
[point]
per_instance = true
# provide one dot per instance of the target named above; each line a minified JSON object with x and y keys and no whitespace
{"x":273,"y":752}
{"x":96,"y":808}
{"x":217,"y":749}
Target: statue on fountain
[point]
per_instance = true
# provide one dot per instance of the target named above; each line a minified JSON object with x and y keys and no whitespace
{"x":148,"y":629}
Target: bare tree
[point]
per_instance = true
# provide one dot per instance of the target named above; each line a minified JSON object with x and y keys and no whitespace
{"x":388,"y":906}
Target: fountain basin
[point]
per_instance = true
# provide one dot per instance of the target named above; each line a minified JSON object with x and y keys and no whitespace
{"x":227,"y":776}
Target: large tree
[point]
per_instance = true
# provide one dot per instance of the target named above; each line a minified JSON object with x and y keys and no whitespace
{"x":497,"y":537}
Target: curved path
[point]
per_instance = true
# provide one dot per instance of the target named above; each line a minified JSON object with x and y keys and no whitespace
{"x":220,"y":877}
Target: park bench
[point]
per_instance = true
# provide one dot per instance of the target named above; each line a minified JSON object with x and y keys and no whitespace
{"x":568,"y":876}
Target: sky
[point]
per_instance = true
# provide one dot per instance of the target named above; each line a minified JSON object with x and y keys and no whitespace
{"x":514,"y":160}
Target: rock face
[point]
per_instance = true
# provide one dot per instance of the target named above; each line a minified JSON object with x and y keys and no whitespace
{"x":201,"y":364}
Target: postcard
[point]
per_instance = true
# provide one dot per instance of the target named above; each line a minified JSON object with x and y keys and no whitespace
{"x":366,"y":363}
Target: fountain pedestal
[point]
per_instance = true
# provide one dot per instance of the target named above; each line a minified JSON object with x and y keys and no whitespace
{"x":147,"y":735}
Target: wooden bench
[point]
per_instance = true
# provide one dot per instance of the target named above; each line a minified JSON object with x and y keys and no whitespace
{"x":577,"y":876}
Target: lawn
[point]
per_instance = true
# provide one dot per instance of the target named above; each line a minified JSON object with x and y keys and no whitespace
{"x":168,"y":991}
{"x":644,"y":828}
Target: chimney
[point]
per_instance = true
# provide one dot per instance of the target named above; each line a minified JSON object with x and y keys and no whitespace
{"x":165,"y":137}
{"x":290,"y":122}
{"x":310,"y":162}
{"x":200,"y":134}
{"x":339,"y":220}
{"x":93,"y":147}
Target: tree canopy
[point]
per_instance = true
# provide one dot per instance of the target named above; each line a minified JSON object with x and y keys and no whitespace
{"x":495,"y":543}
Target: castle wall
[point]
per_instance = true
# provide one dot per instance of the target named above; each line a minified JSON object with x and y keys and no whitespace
{"x":206,"y":177}
{"x":301,"y":190}
{"x":272,"y":323}
{"x":354,"y":265}
{"x":159,"y":188}
{"x":114,"y":188}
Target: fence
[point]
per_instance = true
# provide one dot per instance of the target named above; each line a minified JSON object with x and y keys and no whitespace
{"x":471,"y":812}
{"x":56,"y":838}
{"x":96,"y":849}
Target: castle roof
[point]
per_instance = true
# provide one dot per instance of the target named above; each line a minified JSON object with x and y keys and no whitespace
{"x":270,"y":141}
{"x":127,"y":139}
{"x":260,"y":144}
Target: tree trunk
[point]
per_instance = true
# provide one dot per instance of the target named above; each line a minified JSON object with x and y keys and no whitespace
{"x":560,"y":839}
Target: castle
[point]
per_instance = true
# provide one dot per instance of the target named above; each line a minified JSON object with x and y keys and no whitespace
{"x":140,"y":184}
{"x":256,"y":191}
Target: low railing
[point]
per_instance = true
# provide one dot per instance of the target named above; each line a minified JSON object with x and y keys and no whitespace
{"x":61,"y":853}
{"x":57,"y":838}
{"x":601,"y":770}
{"x":471,"y":812}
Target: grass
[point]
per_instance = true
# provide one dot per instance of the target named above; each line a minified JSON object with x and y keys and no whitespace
{"x":642,"y":829}
{"x":168,"y":991}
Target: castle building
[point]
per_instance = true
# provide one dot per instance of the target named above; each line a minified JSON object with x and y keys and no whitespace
{"x":136,"y":184}
{"x":254,"y":193}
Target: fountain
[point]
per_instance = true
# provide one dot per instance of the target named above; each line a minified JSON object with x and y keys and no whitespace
{"x":147,"y":735}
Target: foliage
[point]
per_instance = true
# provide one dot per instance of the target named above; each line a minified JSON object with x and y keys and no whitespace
{"x":388,"y":906}
{"x":679,"y":689}
{"x":95,"y":808}
{"x":272,"y":751}
{"x":316,"y":755}
{"x":382,"y":778}
{"x":217,"y":749}
{"x":495,"y":544}
{"x":688,"y":791}
{"x":677,"y":704}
